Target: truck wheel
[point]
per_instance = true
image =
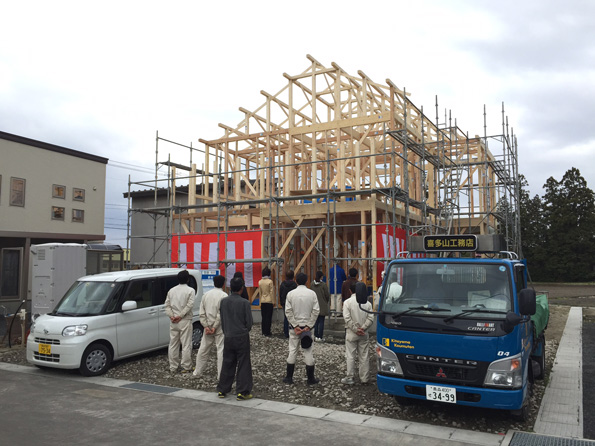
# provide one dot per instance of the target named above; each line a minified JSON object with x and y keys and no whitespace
{"x":96,"y":360}
{"x":521,"y":414}
{"x":197,"y":332}
{"x":541,"y":359}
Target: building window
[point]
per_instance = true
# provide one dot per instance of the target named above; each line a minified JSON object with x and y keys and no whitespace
{"x":17,"y":191}
{"x":58,"y":191}
{"x":78,"y":194}
{"x":78,"y":216}
{"x":57,"y":213}
{"x":10,"y":268}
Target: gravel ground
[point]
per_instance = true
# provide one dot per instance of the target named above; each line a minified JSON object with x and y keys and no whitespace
{"x":269,"y":365}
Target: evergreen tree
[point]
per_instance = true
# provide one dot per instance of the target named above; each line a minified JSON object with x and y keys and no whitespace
{"x":569,"y":213}
{"x":533,"y":232}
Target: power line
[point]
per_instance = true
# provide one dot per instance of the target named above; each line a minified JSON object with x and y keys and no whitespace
{"x":127,"y":166}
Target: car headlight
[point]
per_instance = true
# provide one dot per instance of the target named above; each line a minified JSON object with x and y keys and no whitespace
{"x":388,"y":361}
{"x":75,"y":330}
{"x":505,"y":373}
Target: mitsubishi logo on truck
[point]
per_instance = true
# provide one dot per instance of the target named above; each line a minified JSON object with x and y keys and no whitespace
{"x":440,"y":373}
{"x":438,"y":360}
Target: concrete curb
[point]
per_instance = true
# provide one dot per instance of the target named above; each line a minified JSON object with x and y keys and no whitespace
{"x":561,"y":411}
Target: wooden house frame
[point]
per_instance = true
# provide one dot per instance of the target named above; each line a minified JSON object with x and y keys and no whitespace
{"x":330,"y":157}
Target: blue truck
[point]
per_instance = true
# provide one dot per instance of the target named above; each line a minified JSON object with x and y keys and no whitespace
{"x":460,"y":325}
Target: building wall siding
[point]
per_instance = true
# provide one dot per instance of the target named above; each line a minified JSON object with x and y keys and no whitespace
{"x":42,"y":169}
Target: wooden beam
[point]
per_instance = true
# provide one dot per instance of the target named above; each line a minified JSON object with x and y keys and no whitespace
{"x":339,"y":123}
{"x":310,"y":248}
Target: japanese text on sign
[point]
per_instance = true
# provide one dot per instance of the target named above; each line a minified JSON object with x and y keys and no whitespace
{"x":450,"y":243}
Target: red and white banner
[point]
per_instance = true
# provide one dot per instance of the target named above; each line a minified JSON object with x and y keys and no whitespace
{"x":210,"y":249}
{"x":389,"y":243}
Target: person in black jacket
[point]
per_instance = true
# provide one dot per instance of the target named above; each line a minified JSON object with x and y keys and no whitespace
{"x":286,"y":286}
{"x":244,"y":293}
{"x":236,"y":322}
{"x":346,"y":287}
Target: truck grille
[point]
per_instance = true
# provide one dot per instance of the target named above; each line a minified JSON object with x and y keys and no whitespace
{"x":452,"y":373}
{"x":442,"y":372}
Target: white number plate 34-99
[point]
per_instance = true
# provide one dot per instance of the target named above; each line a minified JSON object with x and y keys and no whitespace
{"x":440,"y":393}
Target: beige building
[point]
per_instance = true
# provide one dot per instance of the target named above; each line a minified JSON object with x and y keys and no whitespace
{"x":48,"y":194}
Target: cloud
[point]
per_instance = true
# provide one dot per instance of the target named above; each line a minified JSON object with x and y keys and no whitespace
{"x":104,"y":80}
{"x":542,"y":36}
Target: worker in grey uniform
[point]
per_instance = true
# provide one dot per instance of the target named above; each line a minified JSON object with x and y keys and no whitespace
{"x":357,"y":323}
{"x":210,"y":318}
{"x":301,"y":309}
{"x":178,"y":306}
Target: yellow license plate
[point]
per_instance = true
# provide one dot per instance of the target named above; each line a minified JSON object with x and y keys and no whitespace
{"x":45,"y":349}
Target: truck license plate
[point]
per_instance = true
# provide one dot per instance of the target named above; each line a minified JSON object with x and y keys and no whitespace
{"x":440,"y":393}
{"x":45,"y":349}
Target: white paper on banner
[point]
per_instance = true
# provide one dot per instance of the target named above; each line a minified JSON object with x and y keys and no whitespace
{"x":197,"y":255}
{"x":391,"y":246}
{"x":230,"y":270}
{"x":183,"y":256}
{"x":248,"y":267}
{"x":213,"y":255}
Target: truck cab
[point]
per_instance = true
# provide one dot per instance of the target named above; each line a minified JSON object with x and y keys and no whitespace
{"x":459,"y":329}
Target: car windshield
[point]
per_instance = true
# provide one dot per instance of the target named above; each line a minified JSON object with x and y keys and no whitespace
{"x":85,"y":299}
{"x":444,"y":290}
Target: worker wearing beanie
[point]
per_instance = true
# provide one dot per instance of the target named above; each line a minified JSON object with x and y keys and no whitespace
{"x":301,"y":309}
{"x":357,"y":323}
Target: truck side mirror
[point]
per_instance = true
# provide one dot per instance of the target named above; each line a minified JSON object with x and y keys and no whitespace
{"x":527,"y":302}
{"x":520,"y":271}
{"x":361,"y":293}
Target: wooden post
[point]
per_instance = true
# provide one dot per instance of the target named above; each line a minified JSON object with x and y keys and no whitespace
{"x":237,"y":184}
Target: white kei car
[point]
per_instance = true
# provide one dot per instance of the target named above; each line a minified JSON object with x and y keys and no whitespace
{"x":109,"y":316}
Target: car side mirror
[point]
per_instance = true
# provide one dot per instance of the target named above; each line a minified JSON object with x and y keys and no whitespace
{"x":511,"y":321}
{"x":361,"y":293}
{"x":129,"y":305}
{"x":527,"y":302}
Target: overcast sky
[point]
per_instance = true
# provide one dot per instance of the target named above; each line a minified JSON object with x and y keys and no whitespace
{"x":103,"y":77}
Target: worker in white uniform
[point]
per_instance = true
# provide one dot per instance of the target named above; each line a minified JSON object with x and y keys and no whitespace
{"x":178,"y":306}
{"x":394,"y":289}
{"x":301,"y":309}
{"x":357,"y":323}
{"x":210,"y":318}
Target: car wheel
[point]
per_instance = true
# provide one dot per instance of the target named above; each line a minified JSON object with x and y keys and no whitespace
{"x":96,"y":360}
{"x":197,"y":332}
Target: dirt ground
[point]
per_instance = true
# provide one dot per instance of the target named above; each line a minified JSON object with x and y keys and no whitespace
{"x":563,"y":296}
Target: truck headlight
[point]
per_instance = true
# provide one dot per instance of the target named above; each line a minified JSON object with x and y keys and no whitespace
{"x":388,"y":361}
{"x":75,"y":330}
{"x":506,"y":373}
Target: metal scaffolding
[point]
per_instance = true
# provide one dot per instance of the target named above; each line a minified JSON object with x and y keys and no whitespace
{"x":325,"y":168}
